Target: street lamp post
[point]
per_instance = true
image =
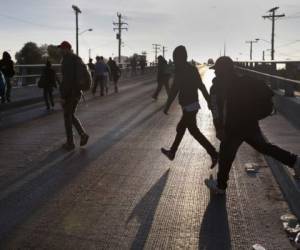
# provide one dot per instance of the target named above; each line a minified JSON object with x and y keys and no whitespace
{"x":251,"y":42}
{"x":85,"y":31}
{"x":77,"y":11}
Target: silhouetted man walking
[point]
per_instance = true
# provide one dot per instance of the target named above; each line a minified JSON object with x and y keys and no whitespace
{"x":115,"y":73}
{"x":101,"y":73}
{"x":163,"y":76}
{"x":91,"y":66}
{"x":187,"y":81}
{"x":7,"y":68}
{"x":236,"y":121}
{"x":48,"y":82}
{"x":70,"y":95}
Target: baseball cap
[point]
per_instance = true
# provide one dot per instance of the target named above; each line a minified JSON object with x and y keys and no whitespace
{"x":65,"y":45}
{"x":223,"y":62}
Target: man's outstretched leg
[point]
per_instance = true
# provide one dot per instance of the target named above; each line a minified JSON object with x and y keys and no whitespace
{"x":180,"y":130}
{"x":203,"y":141}
{"x":258,"y":142}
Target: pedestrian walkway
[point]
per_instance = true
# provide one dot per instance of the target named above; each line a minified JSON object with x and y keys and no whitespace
{"x":281,"y":132}
{"x":120,"y":192}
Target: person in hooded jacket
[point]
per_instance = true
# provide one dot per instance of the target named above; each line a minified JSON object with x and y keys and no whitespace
{"x":115,"y":73}
{"x":187,"y":82}
{"x":235,"y":116}
{"x":163,"y":76}
{"x":7,"y":68}
{"x":49,"y":82}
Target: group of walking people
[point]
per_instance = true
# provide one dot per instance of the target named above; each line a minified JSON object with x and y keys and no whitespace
{"x":102,"y":73}
{"x":71,"y":92}
{"x":235,"y":110}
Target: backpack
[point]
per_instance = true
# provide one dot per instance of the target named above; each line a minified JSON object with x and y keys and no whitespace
{"x":2,"y":85}
{"x":84,"y":76}
{"x":259,"y":97}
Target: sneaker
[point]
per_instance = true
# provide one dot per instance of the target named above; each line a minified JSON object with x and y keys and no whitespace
{"x":168,"y":153}
{"x":68,"y":146}
{"x":213,"y":186}
{"x":297,"y":168}
{"x":84,"y":139}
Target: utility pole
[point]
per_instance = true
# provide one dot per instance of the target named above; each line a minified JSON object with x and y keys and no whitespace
{"x":251,"y":42}
{"x":164,"y":50}
{"x":272,"y":17}
{"x":119,"y":28}
{"x":156,"y":48}
{"x":89,"y":53}
{"x":77,"y":11}
{"x":263,"y":55}
{"x":144,"y":54}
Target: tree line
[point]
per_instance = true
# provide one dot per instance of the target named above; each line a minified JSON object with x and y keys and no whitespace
{"x":31,"y":53}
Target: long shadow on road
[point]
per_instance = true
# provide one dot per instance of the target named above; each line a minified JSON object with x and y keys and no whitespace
{"x":145,"y":211}
{"x":214,"y":233}
{"x":27,"y":198}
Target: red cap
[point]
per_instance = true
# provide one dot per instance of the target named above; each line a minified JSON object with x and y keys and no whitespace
{"x":65,"y":45}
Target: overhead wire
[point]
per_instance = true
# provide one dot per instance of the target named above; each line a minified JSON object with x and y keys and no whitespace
{"x":33,"y":23}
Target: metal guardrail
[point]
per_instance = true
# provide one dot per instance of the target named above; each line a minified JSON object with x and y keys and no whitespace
{"x":289,"y":86}
{"x":30,"y":74}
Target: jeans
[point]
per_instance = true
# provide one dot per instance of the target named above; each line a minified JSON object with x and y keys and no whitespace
{"x":231,"y":143}
{"x":70,"y":119}
{"x":48,"y":97}
{"x":160,"y":83}
{"x":6,"y":97}
{"x":189,"y":121}
{"x":101,"y":80}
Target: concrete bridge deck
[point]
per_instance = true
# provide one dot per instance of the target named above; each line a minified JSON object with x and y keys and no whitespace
{"x":120,"y":192}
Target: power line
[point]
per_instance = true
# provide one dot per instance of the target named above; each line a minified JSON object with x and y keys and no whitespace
{"x":33,"y":23}
{"x":272,"y":17}
{"x":287,"y":44}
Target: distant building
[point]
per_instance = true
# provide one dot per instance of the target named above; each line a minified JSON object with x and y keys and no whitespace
{"x":124,"y":61}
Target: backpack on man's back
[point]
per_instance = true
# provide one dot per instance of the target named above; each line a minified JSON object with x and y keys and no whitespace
{"x":259,"y":96}
{"x":84,"y":76}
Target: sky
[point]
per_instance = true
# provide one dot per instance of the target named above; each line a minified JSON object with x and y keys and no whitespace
{"x":203,"y":26}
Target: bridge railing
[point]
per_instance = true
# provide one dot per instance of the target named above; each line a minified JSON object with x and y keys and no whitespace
{"x":31,"y":73}
{"x":290,"y":87}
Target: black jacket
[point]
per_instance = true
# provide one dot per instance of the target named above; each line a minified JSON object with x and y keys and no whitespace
{"x":49,"y":78}
{"x":163,"y":73}
{"x":231,"y":105}
{"x":69,"y":86}
{"x":187,"y":81}
{"x":7,"y":68}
